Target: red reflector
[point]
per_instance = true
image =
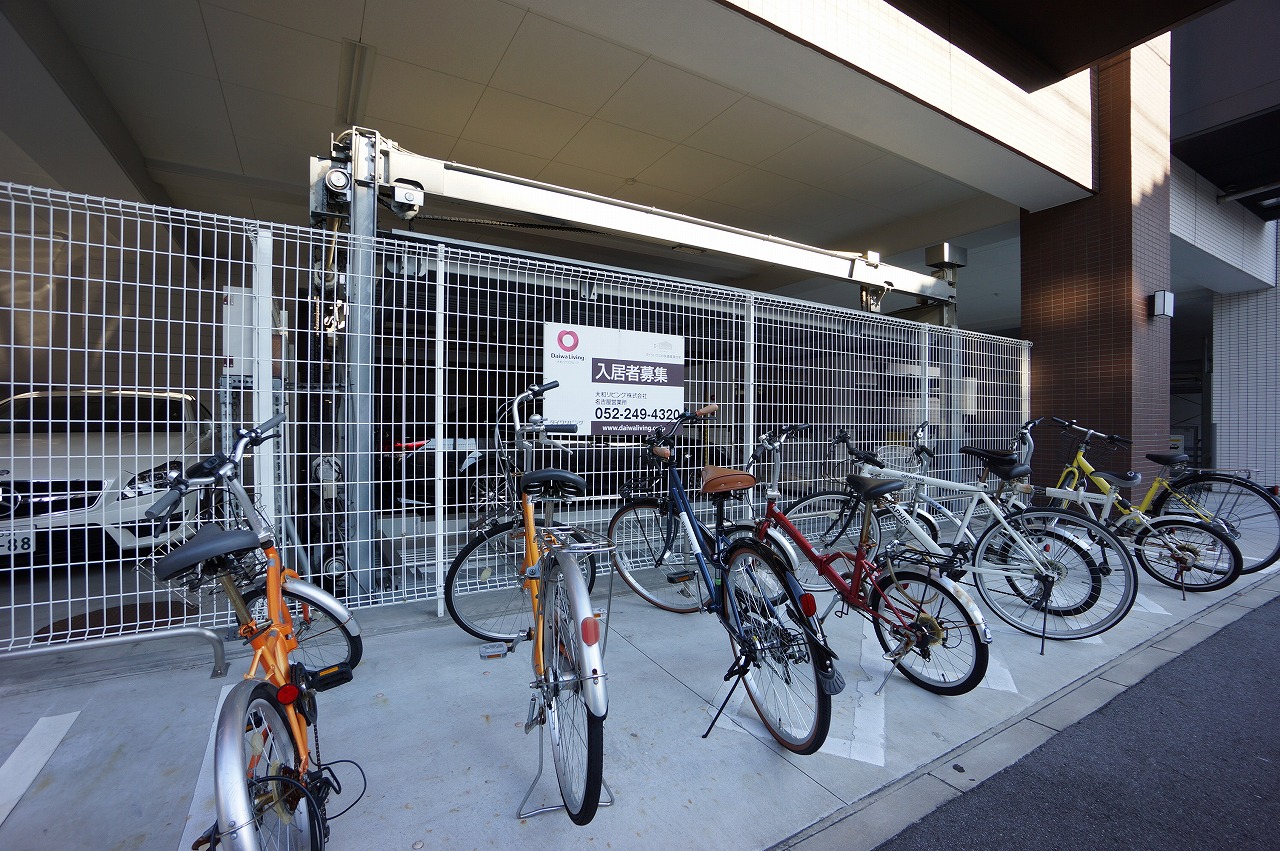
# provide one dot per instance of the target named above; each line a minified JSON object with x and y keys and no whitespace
{"x":288,"y":693}
{"x":808,"y":605}
{"x":590,"y":631}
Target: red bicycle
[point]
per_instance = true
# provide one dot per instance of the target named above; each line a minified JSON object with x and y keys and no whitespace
{"x":930,"y":628}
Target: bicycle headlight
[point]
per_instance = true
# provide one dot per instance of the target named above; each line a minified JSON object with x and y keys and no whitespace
{"x":152,"y":481}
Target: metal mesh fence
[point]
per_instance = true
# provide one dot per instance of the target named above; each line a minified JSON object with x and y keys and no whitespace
{"x":134,"y":339}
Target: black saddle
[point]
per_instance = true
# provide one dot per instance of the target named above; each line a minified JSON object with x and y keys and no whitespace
{"x":870,"y":488}
{"x":1168,"y":459}
{"x":1004,"y":464}
{"x":210,"y":541}
{"x":553,"y":484}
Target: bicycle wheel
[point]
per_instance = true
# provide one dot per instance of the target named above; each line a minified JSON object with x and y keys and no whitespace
{"x":831,"y":521}
{"x":322,"y":640}
{"x":257,"y":780}
{"x":1242,"y":509}
{"x":925,"y":626}
{"x":653,"y":557}
{"x":1187,"y":554}
{"x":577,"y":734}
{"x":1054,"y":573}
{"x":484,"y":589}
{"x":783,"y":658}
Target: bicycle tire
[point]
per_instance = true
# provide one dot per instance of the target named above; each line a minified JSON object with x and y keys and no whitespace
{"x":831,"y":521}
{"x":1095,"y":580}
{"x":952,"y":659}
{"x":323,"y":641}
{"x":576,"y":733}
{"x":253,"y":751}
{"x":782,"y":679}
{"x":1215,"y":561}
{"x":484,"y":589}
{"x":644,"y":534}
{"x":1243,"y":509}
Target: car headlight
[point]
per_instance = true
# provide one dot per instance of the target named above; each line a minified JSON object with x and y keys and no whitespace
{"x":152,"y":481}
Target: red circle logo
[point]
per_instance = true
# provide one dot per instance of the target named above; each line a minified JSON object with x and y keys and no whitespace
{"x":567,"y":340}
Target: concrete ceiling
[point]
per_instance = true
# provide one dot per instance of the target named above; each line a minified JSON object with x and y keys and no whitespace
{"x":217,"y":105}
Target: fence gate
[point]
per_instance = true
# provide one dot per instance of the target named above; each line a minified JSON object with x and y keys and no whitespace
{"x":134,"y":339}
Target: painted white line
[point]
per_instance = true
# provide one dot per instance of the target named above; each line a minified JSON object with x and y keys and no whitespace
{"x":29,"y":757}
{"x":204,"y":809}
{"x":1146,"y":604}
{"x":868,"y":746}
{"x":998,"y":676}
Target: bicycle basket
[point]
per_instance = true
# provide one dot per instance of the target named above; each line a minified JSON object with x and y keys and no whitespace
{"x":190,"y":586}
{"x":902,"y":460}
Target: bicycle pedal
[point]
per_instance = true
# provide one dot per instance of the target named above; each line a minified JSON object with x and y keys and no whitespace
{"x":327,"y":678}
{"x":495,"y":650}
{"x":680,"y":578}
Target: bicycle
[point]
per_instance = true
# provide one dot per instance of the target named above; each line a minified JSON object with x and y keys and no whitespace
{"x":1047,"y":572}
{"x":271,"y":787}
{"x":928,"y":626}
{"x":780,"y":651}
{"x":1183,"y":553}
{"x":1231,"y":503}
{"x":549,"y":583}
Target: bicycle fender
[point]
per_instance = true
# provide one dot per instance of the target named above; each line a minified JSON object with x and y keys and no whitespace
{"x":321,"y":598}
{"x":235,"y":812}
{"x":970,"y":607}
{"x":593,"y":673}
{"x":782,"y":544}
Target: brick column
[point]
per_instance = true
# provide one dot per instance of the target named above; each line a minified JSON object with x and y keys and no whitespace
{"x":1089,"y":269}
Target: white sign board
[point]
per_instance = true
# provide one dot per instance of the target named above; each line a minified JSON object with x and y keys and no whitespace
{"x":612,"y":382}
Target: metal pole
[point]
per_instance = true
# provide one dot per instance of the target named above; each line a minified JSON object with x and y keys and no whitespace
{"x":215,"y":641}
{"x":356,"y":411}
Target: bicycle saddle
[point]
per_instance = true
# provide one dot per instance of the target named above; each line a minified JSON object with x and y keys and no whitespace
{"x":1168,"y":458}
{"x":553,"y":484}
{"x":1120,"y":480}
{"x":869,"y":487}
{"x":210,"y":541}
{"x":1004,"y":464}
{"x":724,"y":479}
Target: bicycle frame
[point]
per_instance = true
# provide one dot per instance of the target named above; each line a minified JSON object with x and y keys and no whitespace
{"x":535,"y":555}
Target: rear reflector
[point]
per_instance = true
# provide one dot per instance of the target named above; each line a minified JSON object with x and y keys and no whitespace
{"x":590,"y":631}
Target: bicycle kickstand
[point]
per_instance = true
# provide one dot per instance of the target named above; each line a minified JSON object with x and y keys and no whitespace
{"x":892,"y":657}
{"x":736,"y":671}
{"x":537,"y":718}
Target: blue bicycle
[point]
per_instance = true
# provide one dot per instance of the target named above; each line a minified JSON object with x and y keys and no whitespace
{"x":671,"y":559}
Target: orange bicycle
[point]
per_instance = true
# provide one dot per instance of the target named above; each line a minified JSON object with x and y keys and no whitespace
{"x":270,"y":786}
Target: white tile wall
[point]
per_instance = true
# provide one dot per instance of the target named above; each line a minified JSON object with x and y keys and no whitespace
{"x":1227,"y":231}
{"x":1246,"y":382}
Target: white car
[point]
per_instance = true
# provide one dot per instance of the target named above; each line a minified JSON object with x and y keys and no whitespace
{"x":78,"y":464}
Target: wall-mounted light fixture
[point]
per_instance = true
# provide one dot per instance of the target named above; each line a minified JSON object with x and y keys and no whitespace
{"x":1162,"y":303}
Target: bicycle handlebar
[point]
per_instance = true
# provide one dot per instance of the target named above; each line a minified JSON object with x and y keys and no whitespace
{"x":1070,"y":425}
{"x":215,"y":468}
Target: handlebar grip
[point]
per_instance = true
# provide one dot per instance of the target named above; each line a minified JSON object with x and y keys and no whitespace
{"x":1062,"y":422}
{"x":271,"y":423}
{"x":867,"y":458}
{"x":1033,"y":423}
{"x":1123,"y":441}
{"x":561,"y":428}
{"x":165,"y":505}
{"x":539,"y":389}
{"x":708,"y":411}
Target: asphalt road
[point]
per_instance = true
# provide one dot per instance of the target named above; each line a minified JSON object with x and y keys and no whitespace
{"x":1189,"y":757}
